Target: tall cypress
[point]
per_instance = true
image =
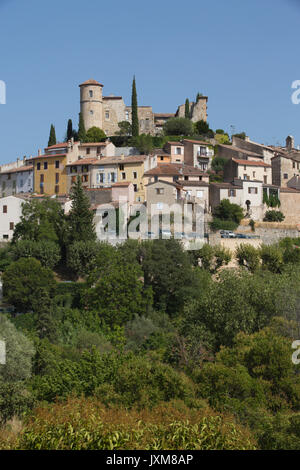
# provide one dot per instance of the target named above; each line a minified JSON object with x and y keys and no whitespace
{"x":81,"y":218}
{"x":187,"y":109}
{"x":70,"y":132}
{"x":52,"y":136}
{"x":134,"y":110}
{"x":81,"y":129}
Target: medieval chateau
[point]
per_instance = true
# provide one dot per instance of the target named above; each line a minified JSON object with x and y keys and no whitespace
{"x":107,"y":111}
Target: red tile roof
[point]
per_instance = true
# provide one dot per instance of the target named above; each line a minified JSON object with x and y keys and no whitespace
{"x":197,"y":142}
{"x":251,"y":163}
{"x":91,"y":82}
{"x":174,"y":169}
{"x":58,"y":146}
{"x":47,"y":155}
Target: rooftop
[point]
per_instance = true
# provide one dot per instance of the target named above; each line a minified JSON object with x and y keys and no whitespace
{"x":174,"y":169}
{"x":251,"y":163}
{"x":91,"y":81}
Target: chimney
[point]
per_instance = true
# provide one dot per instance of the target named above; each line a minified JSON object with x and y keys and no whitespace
{"x":24,"y":159}
{"x":247,"y":138}
{"x":72,"y":140}
{"x":290,"y":143}
{"x":39,"y":152}
{"x":122,"y":156}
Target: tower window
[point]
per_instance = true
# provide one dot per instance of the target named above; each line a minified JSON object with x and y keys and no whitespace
{"x":106,"y":114}
{"x":91,"y":112}
{"x":127,"y":115}
{"x":57,"y":164}
{"x":91,"y":93}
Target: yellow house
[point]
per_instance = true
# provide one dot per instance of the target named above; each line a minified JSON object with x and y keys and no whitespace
{"x":50,"y":174}
{"x":131,"y":169}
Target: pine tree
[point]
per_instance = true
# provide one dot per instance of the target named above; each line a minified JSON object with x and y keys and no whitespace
{"x":46,"y":323}
{"x":52,"y":136}
{"x":80,"y":219}
{"x":134,"y":110}
{"x":81,"y":129}
{"x":187,"y":109}
{"x":70,"y":132}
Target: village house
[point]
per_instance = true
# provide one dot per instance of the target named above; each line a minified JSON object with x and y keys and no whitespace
{"x":176,"y":151}
{"x":247,"y":170}
{"x":10,"y":215}
{"x":246,"y":193}
{"x":16,"y":180}
{"x":175,"y":172}
{"x":198,"y":154}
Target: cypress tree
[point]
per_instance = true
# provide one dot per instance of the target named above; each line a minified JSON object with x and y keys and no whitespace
{"x":81,"y":129}
{"x":187,"y":109}
{"x":52,"y":136}
{"x":81,"y":218}
{"x":198,"y":97}
{"x":70,"y":132}
{"x":134,"y":110}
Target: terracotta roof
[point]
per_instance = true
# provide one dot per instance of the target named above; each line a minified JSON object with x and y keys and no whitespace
{"x":98,"y":189}
{"x":176,"y":185}
{"x":47,"y":155}
{"x":17,"y":170}
{"x":289,"y":190}
{"x":84,"y":161}
{"x":94,"y":144}
{"x":237,"y":149}
{"x":226,"y":185}
{"x":122,"y":184}
{"x":193,"y":183}
{"x":91,"y":82}
{"x":198,"y":142}
{"x":251,"y":163}
{"x":112,"y":97}
{"x":58,"y":146}
{"x":174,"y":169}
{"x":176,"y":143}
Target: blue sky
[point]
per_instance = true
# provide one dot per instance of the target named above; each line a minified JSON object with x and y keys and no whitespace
{"x":243,"y":54}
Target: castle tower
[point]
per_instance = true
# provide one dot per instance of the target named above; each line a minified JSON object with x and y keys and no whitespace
{"x":91,"y":104}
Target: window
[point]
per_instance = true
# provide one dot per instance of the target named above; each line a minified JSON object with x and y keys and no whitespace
{"x":161,"y":158}
{"x":285,"y":176}
{"x":252,"y":190}
{"x":246,"y":177}
{"x":85,"y":178}
{"x":186,"y":178}
{"x":73,"y":179}
{"x":245,"y":167}
{"x":41,"y":178}
{"x":199,"y":194}
{"x":135,"y":175}
{"x":160,"y":190}
{"x":57,"y":164}
{"x":3,"y":185}
{"x":123,"y":176}
{"x":127,"y":115}
{"x":265,"y":179}
{"x":11,"y":226}
{"x":91,"y":93}
{"x":4,"y":209}
{"x":88,"y":151}
{"x":56,"y":189}
{"x":21,"y":183}
{"x":38,"y":166}
{"x":8,"y":177}
{"x":100,"y":178}
{"x":254,"y":173}
{"x":106,"y":114}
{"x":56,"y":178}
{"x":135,"y":188}
{"x":5,"y":237}
{"x":201,"y":151}
{"x":98,"y":150}
{"x":113,"y":177}
{"x":121,"y":167}
{"x":178,"y":151}
{"x":45,"y":165}
{"x":231,"y":192}
{"x":91,"y":112}
{"x":84,"y":168}
{"x":294,"y":164}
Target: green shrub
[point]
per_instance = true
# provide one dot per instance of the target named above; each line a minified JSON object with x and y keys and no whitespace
{"x":274,"y":216}
{"x":248,"y":256}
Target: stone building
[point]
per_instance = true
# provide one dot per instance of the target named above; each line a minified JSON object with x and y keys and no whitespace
{"x":106,"y":112}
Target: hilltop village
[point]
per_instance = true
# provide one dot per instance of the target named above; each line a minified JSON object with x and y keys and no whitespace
{"x":157,"y":159}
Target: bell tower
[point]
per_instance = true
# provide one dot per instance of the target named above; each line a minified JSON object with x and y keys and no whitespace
{"x":91,"y":103}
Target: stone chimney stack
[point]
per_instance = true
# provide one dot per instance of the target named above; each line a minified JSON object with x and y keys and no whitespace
{"x":39,"y":152}
{"x":290,"y":143}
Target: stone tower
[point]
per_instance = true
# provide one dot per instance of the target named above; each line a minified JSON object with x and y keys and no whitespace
{"x":91,"y":103}
{"x":290,"y":143}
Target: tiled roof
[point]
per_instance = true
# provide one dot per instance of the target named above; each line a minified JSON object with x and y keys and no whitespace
{"x":112,"y":98}
{"x":174,"y":169}
{"x":245,"y":152}
{"x":58,"y":146}
{"x":193,"y":183}
{"x":91,"y":82}
{"x":179,"y":144}
{"x":47,"y":155}
{"x":122,"y":184}
{"x":94,"y":144}
{"x":201,"y":142}
{"x":108,"y":160}
{"x":164,"y":115}
{"x":17,"y":170}
{"x":84,"y":161}
{"x":251,"y":163}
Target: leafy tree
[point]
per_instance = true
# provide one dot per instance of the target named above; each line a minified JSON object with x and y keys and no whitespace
{"x":6,"y":257}
{"x":125,"y":128}
{"x":241,"y":135}
{"x":41,"y":220}
{"x":52,"y":136}
{"x":228,"y":211}
{"x":21,"y":281}
{"x":95,"y":134}
{"x":202,"y":127}
{"x":81,"y":129}
{"x":144,"y":143}
{"x":248,"y":256}
{"x":80,"y":218}
{"x":81,"y":256}
{"x":168,"y":271}
{"x":187,"y":109}
{"x":211,"y":258}
{"x":117,"y":291}
{"x":46,"y":323}
{"x":178,"y":126}
{"x":134,"y":110}
{"x":218,"y":164}
{"x":14,"y":398}
{"x":47,"y":252}
{"x":274,"y":216}
{"x":272,"y":258}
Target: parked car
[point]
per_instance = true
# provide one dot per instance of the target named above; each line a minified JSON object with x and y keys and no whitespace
{"x":227,"y":234}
